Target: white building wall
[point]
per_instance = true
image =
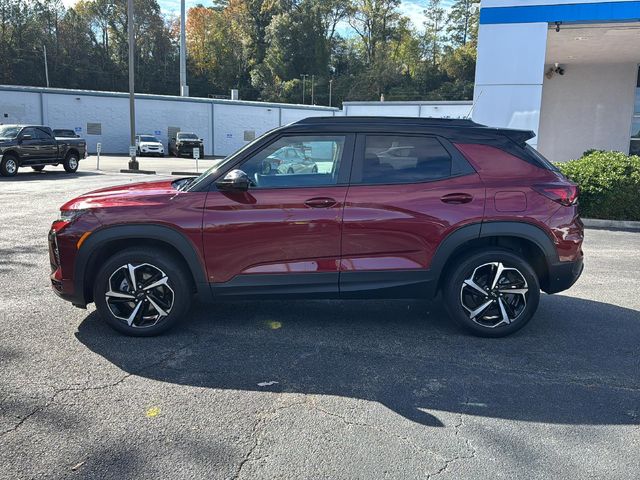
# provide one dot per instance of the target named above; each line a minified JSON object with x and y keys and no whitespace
{"x":225,"y":126}
{"x":435,"y":109}
{"x":26,"y":110}
{"x":509,"y":75}
{"x":233,"y":121}
{"x":590,"y":106}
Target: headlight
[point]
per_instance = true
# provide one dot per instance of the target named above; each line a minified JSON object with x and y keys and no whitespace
{"x":69,"y":216}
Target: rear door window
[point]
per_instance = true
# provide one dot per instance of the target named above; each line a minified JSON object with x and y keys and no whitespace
{"x":392,"y":159}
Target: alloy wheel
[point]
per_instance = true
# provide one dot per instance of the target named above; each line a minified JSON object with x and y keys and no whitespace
{"x":139,"y":295}
{"x":73,"y":163}
{"x":10,"y":166}
{"x":494,"y":295}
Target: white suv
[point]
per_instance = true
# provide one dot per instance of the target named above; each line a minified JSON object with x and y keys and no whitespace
{"x":149,"y":145}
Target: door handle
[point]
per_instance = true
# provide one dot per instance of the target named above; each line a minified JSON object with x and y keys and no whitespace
{"x":456,"y":198}
{"x":320,"y":202}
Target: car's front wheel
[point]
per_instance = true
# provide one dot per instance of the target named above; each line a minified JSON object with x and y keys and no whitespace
{"x":492,"y":293}
{"x":142,"y":292}
{"x":9,"y":166}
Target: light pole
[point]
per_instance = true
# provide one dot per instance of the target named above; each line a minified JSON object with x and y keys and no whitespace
{"x":46,"y":66}
{"x":184,"y":89}
{"x":304,"y":78}
{"x":133,"y":163}
{"x":313,"y":81}
{"x":330,"y":90}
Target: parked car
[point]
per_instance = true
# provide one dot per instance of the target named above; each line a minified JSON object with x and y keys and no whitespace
{"x":65,"y":133}
{"x":185,"y":142}
{"x":149,"y":145}
{"x":489,"y":232}
{"x":288,"y":160}
{"x":35,"y":146}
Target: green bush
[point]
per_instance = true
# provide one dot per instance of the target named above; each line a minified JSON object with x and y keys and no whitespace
{"x":609,"y":184}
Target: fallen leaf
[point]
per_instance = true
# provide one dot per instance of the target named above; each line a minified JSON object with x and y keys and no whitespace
{"x":153,"y":412}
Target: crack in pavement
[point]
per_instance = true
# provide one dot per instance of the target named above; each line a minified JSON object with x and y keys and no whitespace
{"x":257,"y":432}
{"x":449,"y":461}
{"x":377,"y":428}
{"x":56,"y":392}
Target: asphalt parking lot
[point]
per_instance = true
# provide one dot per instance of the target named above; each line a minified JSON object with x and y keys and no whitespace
{"x":312,"y":389}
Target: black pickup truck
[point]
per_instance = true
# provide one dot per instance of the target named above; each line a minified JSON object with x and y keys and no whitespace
{"x":35,"y":146}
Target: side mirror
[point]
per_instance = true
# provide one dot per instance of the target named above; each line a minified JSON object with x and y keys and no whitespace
{"x":235,"y":180}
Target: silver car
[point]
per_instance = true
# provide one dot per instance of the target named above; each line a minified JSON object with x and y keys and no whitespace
{"x":288,"y":160}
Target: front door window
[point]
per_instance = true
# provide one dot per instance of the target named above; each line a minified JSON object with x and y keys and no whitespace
{"x":296,"y":162}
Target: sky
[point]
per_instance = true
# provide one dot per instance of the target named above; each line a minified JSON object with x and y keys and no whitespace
{"x":411,"y":8}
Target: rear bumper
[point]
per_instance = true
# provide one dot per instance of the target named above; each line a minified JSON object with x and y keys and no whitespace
{"x":563,"y":275}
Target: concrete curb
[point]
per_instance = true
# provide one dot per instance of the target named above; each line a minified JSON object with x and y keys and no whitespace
{"x":611,"y":224}
{"x":143,"y":172}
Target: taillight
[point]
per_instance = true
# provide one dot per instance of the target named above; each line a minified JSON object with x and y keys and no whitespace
{"x":564,"y":194}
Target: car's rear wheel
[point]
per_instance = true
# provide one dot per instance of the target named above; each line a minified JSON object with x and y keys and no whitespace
{"x":39,"y":168}
{"x":9,"y":166}
{"x":71,"y":163}
{"x":142,"y":292}
{"x":492,"y":293}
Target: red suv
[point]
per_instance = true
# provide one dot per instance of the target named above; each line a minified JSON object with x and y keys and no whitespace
{"x":397,"y":208}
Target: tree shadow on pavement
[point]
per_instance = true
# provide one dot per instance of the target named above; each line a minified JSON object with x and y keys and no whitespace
{"x":575,"y":363}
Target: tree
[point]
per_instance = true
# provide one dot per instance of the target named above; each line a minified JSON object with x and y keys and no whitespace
{"x":434,"y":25}
{"x":463,"y":22}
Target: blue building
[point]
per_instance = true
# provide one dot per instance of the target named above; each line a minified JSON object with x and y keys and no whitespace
{"x":566,"y":69}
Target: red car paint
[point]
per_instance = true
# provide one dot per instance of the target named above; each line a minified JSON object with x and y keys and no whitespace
{"x":357,"y":228}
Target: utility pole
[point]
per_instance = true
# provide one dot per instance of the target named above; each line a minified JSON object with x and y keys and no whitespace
{"x":46,"y":67}
{"x":184,"y":89}
{"x":133,"y":163}
{"x":313,"y":81}
{"x":304,"y":78}
{"x":330,"y":89}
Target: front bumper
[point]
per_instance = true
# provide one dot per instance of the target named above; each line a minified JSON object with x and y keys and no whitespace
{"x":63,"y":287}
{"x":152,"y":150}
{"x":563,"y":275}
{"x":188,"y":149}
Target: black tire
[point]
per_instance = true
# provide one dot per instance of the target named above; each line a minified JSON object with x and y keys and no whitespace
{"x":9,"y":165}
{"x":113,"y":273}
{"x":290,"y":171}
{"x":39,"y":168}
{"x":71,"y":162}
{"x":481,"y":267}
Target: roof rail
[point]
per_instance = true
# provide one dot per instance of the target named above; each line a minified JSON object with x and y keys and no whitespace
{"x":426,"y":121}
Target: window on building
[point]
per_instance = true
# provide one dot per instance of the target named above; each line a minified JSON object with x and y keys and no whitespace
{"x":94,"y":129}
{"x":634,"y":147}
{"x":172,"y":132}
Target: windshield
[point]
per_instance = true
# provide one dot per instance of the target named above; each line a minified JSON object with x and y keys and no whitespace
{"x":187,"y":136}
{"x":146,"y":138}
{"x":9,"y":131}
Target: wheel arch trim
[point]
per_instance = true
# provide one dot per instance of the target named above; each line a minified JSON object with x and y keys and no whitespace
{"x":103,"y":236}
{"x":476,"y":231}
